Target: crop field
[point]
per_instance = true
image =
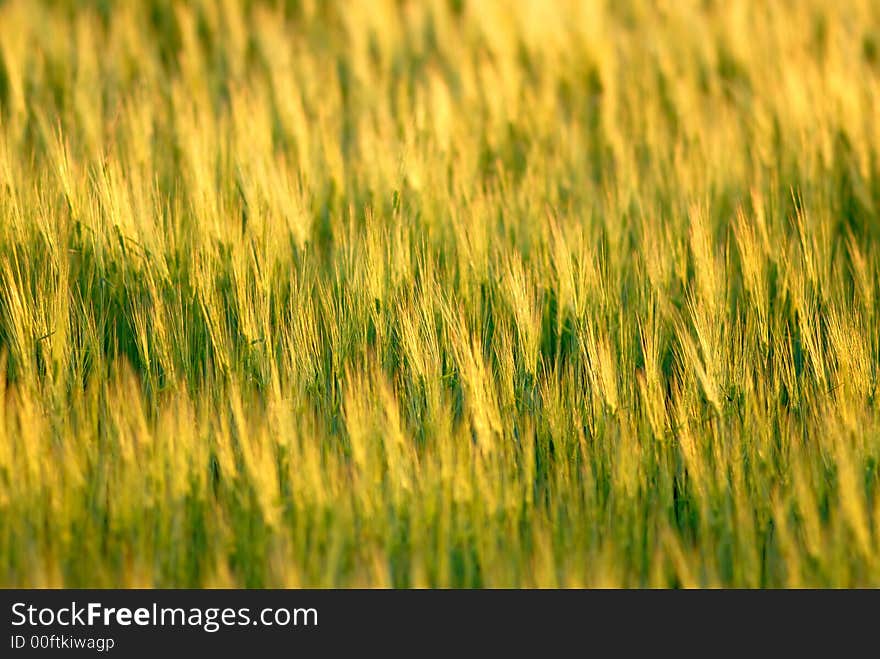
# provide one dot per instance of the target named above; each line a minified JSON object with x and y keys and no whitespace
{"x":460,"y":293}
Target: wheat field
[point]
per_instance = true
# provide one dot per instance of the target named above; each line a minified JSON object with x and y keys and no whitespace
{"x":470,"y":293}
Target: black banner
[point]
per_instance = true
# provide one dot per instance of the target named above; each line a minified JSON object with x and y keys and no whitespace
{"x":286,"y":623}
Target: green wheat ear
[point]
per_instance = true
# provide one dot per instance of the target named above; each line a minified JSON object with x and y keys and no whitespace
{"x":439,"y":294}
